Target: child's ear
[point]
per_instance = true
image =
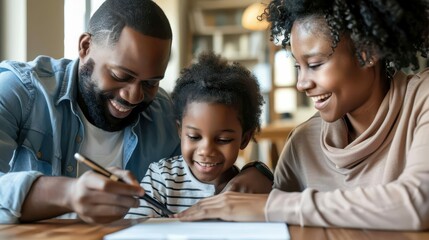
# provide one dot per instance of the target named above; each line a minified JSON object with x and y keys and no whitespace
{"x":246,"y":139}
{"x":179,"y":128}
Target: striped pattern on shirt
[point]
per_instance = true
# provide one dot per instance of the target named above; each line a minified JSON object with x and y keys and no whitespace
{"x":170,"y":182}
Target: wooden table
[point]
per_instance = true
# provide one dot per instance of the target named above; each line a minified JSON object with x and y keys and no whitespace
{"x":67,"y":229}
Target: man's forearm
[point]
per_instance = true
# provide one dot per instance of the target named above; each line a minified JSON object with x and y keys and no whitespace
{"x":46,"y":199}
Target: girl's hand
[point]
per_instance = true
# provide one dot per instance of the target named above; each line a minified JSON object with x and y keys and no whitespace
{"x":250,"y":180}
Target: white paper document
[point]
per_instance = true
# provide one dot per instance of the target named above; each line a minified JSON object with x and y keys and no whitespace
{"x":174,"y":229}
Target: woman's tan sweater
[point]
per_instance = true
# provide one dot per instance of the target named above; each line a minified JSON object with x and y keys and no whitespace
{"x":378,"y":181}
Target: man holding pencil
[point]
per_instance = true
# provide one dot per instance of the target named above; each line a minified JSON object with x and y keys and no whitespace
{"x":106,"y":105}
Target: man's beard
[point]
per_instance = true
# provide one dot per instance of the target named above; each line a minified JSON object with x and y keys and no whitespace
{"x":95,"y":102}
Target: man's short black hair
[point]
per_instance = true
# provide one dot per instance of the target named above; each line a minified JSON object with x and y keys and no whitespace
{"x":112,"y":16}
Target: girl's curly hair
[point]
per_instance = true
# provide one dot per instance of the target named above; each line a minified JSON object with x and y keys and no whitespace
{"x":393,"y":30}
{"x":213,"y":80}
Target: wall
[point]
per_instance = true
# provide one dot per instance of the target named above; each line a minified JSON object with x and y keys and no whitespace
{"x":45,"y":28}
{"x":27,"y":30}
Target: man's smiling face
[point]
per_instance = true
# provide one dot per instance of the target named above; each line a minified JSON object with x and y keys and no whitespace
{"x":116,"y":83}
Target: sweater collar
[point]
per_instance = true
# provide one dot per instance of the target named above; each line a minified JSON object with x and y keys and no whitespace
{"x":334,"y":140}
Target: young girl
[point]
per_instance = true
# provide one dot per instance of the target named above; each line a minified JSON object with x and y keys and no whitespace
{"x":217,"y":107}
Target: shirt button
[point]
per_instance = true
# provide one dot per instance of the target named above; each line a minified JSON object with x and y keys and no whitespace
{"x":39,"y":155}
{"x":69,"y":168}
{"x":78,"y":139}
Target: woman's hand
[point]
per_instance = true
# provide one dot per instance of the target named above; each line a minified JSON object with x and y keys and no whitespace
{"x":228,"y":206}
{"x":250,"y":180}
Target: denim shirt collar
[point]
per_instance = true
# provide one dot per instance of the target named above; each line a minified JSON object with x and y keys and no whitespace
{"x":69,"y":85}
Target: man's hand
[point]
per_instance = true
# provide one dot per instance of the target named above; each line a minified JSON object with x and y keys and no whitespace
{"x":228,"y":206}
{"x":97,"y":199}
{"x":250,"y":180}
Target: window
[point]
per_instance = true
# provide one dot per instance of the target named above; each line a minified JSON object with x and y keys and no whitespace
{"x":76,"y":17}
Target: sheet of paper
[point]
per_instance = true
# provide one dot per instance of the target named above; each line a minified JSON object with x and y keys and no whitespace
{"x":174,"y":229}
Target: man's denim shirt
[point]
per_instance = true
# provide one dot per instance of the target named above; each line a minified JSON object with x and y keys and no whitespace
{"x":40,"y":129}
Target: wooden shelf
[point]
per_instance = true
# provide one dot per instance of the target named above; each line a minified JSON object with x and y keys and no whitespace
{"x":231,"y":30}
{"x":215,"y":25}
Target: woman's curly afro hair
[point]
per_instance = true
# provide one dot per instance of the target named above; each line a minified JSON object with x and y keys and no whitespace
{"x":393,"y":30}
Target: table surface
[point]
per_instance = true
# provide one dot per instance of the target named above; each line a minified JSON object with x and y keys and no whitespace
{"x":64,"y":229}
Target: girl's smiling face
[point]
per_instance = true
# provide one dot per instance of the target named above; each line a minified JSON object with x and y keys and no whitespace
{"x":211,"y":136}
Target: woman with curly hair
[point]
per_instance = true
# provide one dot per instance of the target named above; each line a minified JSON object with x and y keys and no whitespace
{"x":362,"y":160}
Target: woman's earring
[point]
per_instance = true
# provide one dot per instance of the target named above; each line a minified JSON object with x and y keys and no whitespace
{"x":371,"y":62}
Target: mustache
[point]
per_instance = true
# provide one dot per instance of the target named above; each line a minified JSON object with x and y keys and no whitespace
{"x":121,"y":101}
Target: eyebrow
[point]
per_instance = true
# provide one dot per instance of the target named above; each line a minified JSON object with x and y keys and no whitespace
{"x":133,"y":74}
{"x":306,"y":56}
{"x":224,"y":130}
{"x":313,"y":55}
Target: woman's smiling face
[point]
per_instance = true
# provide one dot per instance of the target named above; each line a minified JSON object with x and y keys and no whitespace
{"x":333,"y":79}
